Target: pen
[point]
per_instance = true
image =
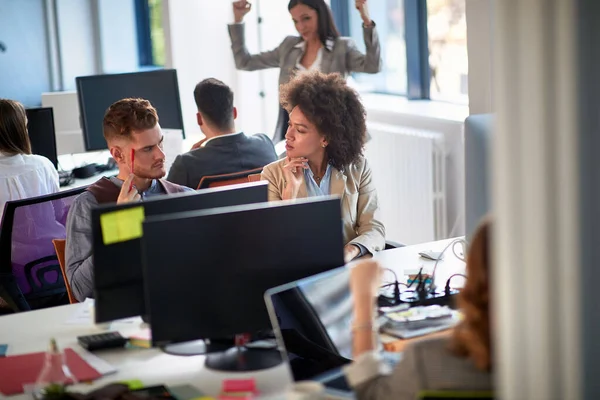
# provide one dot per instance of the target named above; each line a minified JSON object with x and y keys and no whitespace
{"x":132,"y":161}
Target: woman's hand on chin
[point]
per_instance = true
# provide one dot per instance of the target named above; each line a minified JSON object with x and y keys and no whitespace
{"x":293,"y":172}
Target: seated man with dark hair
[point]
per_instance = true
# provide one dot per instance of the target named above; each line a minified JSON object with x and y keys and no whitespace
{"x":135,"y":140}
{"x":225,"y":150}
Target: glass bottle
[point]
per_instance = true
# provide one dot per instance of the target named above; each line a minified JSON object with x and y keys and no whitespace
{"x":55,"y":374}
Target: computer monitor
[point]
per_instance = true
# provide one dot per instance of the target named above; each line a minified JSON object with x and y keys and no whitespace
{"x":118,"y":273}
{"x":40,"y":125}
{"x":221,"y":261}
{"x":478,"y":137}
{"x":312,"y":321}
{"x":96,"y":93}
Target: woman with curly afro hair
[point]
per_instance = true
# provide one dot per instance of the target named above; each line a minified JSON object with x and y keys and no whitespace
{"x":460,"y":361}
{"x":324,"y":144}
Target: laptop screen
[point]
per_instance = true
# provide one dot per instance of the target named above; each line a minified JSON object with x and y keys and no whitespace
{"x":312,"y":320}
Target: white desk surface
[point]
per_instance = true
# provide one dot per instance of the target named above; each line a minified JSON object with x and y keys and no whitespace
{"x":30,"y":332}
{"x":88,"y":181}
{"x":406,"y":260}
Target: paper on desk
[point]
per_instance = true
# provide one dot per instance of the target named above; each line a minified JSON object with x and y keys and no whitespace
{"x":134,"y":323}
{"x":83,"y":314}
{"x":96,"y":362}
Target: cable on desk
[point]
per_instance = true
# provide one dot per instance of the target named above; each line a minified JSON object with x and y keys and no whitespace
{"x":447,"y":287}
{"x":392,"y":271}
{"x":431,"y":287}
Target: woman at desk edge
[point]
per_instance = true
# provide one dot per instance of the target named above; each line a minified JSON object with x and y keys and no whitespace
{"x":460,"y":361}
{"x":319,"y":46}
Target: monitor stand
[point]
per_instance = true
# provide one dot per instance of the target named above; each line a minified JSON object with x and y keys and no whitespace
{"x":242,"y":359}
{"x":197,"y":347}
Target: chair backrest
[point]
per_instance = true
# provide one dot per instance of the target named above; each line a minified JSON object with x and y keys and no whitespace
{"x":455,"y":395}
{"x":228,"y":179}
{"x":254,"y":177}
{"x":29,"y":268}
{"x":59,"y":247}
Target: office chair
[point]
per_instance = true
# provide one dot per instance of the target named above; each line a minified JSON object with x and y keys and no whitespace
{"x":455,"y":395}
{"x":254,"y":177}
{"x":229,"y":179}
{"x":30,"y":275}
{"x":59,"y":247}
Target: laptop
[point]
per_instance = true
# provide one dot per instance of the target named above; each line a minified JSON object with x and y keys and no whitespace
{"x":312,"y":320}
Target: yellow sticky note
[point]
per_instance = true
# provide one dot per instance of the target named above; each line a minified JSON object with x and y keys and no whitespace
{"x":120,"y":226}
{"x":133,"y":384}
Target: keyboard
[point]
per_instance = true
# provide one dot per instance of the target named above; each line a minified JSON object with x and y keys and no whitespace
{"x":65,"y":178}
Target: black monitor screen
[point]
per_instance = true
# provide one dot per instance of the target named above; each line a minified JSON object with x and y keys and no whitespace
{"x":207,"y":277}
{"x":96,"y":93}
{"x":314,"y":313}
{"x":40,"y":125}
{"x":118,"y":273}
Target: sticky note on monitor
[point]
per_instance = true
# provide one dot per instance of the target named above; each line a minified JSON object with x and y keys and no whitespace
{"x":123,"y":225}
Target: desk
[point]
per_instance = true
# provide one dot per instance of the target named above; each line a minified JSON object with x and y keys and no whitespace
{"x":406,"y":260}
{"x":88,"y":181}
{"x":30,"y":332}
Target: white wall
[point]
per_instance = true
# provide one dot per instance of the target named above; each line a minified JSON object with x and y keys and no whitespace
{"x":276,"y":25}
{"x":198,"y":47}
{"x":444,"y":118}
{"x":24,"y":62}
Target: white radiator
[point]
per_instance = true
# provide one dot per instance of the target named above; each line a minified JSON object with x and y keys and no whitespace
{"x":409,"y":173}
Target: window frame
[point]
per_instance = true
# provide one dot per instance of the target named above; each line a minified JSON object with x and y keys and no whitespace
{"x":144,"y":33}
{"x":417,"y":44}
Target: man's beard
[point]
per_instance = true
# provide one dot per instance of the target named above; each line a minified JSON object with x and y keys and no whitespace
{"x":154,"y":173}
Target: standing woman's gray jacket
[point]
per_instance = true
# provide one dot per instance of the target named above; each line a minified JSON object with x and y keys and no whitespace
{"x":339,"y":55}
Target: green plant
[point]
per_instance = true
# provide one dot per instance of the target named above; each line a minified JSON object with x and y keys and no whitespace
{"x":54,"y":391}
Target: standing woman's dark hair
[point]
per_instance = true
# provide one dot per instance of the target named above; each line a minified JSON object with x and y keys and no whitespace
{"x":327,"y":28}
{"x":14,"y":138}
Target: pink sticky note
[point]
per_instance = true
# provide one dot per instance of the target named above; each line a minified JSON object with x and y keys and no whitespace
{"x":239,"y":385}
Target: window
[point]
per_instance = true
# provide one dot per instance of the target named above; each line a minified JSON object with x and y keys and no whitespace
{"x":151,"y":35}
{"x":447,"y":36}
{"x":423,"y":47}
{"x":389,"y":16}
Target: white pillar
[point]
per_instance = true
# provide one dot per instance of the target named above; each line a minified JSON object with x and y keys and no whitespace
{"x":480,"y":48}
{"x":536,"y":275}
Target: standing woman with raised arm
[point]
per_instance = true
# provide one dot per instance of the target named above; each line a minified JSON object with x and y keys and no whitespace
{"x":319,"y":46}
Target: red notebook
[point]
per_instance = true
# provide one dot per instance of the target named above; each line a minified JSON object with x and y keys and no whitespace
{"x":16,"y":371}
